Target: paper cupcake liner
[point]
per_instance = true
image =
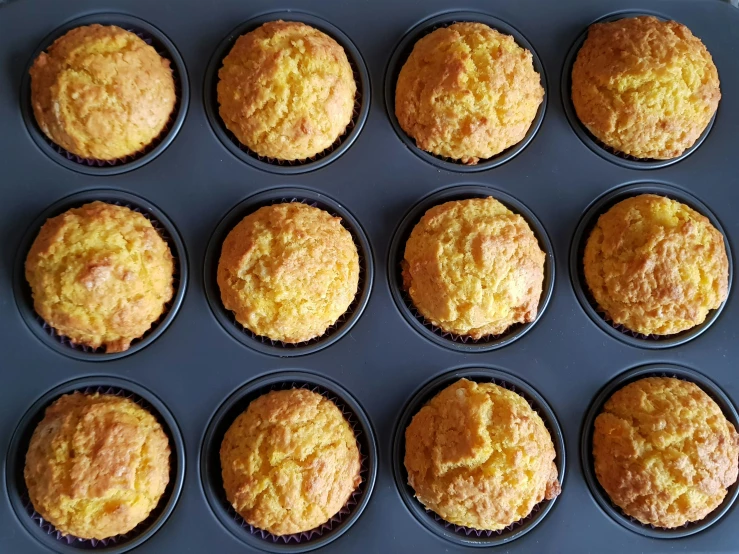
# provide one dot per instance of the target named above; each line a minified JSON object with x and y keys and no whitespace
{"x":88,"y":544}
{"x":347,"y":509}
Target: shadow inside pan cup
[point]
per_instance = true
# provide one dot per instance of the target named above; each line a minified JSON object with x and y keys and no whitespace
{"x":287,"y":167}
{"x":582,"y":132}
{"x":466,"y":536}
{"x":400,"y":56}
{"x":166,"y":229}
{"x":577,"y":274}
{"x":586,"y":449}
{"x":226,"y":317}
{"x":211,"y":473}
{"x":164,"y":47}
{"x":44,"y":531}
{"x":403,"y":300}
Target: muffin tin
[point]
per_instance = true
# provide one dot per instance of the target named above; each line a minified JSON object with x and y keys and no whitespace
{"x":377,"y":360}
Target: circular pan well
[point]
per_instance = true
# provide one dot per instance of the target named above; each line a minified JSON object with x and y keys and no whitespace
{"x":22,"y":290}
{"x":164,"y":48}
{"x":400,"y":55}
{"x":210,"y":464}
{"x":43,"y":531}
{"x":577,"y":276}
{"x":251,"y":204}
{"x":604,"y":151}
{"x":586,"y":449}
{"x":245,"y":154}
{"x":403,"y":300}
{"x":466,"y":536}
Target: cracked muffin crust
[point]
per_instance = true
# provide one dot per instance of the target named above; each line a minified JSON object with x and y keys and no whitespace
{"x":101,"y":92}
{"x":473,"y":267}
{"x":479,"y":456}
{"x":645,"y":87}
{"x":664,"y":452}
{"x":286,"y":90}
{"x":97,"y":464}
{"x":100,"y":275}
{"x":467,"y":92}
{"x":290,"y":462}
{"x":655,"y":265}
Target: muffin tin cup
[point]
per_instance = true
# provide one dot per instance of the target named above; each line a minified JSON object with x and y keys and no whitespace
{"x":603,"y":150}
{"x":400,"y":55}
{"x":586,"y":449}
{"x":577,"y":276}
{"x":210,"y":464}
{"x":45,"y":532}
{"x":432,"y":522}
{"x":403,"y":301}
{"x":226,"y":317}
{"x":22,"y":290}
{"x":272,"y":165}
{"x":164,"y":47}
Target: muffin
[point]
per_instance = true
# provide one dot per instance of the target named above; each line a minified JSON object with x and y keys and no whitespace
{"x":100,"y":275}
{"x":664,"y":452}
{"x":473,"y":268}
{"x":97,"y":465}
{"x":290,"y":462}
{"x":656,"y":266}
{"x":286,"y":90}
{"x":288,"y":272}
{"x":479,"y":456}
{"x":467,"y":92}
{"x":101,"y":92}
{"x":645,"y":87}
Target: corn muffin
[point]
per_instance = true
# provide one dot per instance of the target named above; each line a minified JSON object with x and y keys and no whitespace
{"x":101,"y":92}
{"x":479,"y":456}
{"x":97,"y":465}
{"x":286,"y":90}
{"x":288,"y":271}
{"x":467,"y":92}
{"x":290,"y":462}
{"x":656,"y":266}
{"x":664,"y":452}
{"x":474,"y":268}
{"x":645,"y":87}
{"x":100,"y":275}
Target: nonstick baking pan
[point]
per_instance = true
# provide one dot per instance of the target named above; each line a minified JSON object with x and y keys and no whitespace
{"x":197,"y":367}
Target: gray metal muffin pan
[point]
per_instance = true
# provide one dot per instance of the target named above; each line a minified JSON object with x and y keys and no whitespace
{"x":194,"y":365}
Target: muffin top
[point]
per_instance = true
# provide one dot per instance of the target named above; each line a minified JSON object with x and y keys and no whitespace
{"x":286,"y":90}
{"x":655,"y":265}
{"x":288,"y":271}
{"x":100,"y":275}
{"x":467,"y":92}
{"x":479,"y":456}
{"x":473,"y":267}
{"x":664,"y":452}
{"x":645,"y":87}
{"x":101,"y":92}
{"x":97,"y":465}
{"x":290,"y":462}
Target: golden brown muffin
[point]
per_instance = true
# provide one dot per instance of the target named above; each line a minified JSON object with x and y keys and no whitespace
{"x":473,"y":267}
{"x":97,"y":465}
{"x":479,"y":456}
{"x":656,"y":266}
{"x":101,"y":92}
{"x":645,"y":87}
{"x":286,"y":90}
{"x":664,"y":452}
{"x":290,"y":462}
{"x":467,"y":92}
{"x":288,"y":271}
{"x":100,"y":275}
